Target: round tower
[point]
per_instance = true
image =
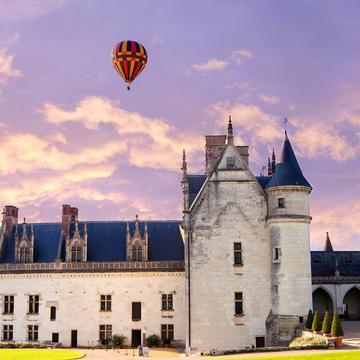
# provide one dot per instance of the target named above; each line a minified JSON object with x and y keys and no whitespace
{"x":288,"y":223}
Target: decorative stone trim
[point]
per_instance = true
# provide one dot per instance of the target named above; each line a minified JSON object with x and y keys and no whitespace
{"x":121,"y":266}
{"x":335,"y":279}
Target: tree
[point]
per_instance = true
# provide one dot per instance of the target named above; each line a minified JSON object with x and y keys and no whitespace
{"x":309,"y":319}
{"x":118,"y":340}
{"x":336,"y":328}
{"x":326,"y":327}
{"x":316,"y":324}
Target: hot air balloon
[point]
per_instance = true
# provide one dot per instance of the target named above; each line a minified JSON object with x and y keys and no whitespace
{"x":129,"y":59}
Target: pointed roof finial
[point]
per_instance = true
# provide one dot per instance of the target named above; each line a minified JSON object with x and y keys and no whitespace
{"x":230,"y":135}
{"x":285,"y":122}
{"x":184,"y":164}
{"x":328,"y":246}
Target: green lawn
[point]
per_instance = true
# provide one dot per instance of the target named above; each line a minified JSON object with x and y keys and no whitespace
{"x":343,"y":355}
{"x":39,"y":354}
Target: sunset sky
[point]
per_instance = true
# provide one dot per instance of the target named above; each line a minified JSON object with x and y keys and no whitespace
{"x":70,"y":132}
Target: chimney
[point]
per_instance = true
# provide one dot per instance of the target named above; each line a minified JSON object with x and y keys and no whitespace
{"x":74,"y":213}
{"x":214,"y":146}
{"x":66,"y":217}
{"x":10,"y":218}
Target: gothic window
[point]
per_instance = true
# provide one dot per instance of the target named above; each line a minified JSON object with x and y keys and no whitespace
{"x":136,"y":253}
{"x":237,"y":254}
{"x":167,"y":332}
{"x":8,"y":332}
{"x":33,"y":304}
{"x":33,"y":332}
{"x":105,"y":302}
{"x":281,"y":203}
{"x":24,"y":254}
{"x":76,"y":253}
{"x":105,"y":332}
{"x":136,"y":311}
{"x":167,"y":302}
{"x":239,"y":304}
{"x":53,"y":313}
{"x":8,"y":304}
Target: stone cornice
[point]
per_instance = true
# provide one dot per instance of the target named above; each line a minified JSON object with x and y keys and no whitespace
{"x":121,"y":266}
{"x":283,"y":188}
{"x":290,"y":218}
{"x":335,"y":279}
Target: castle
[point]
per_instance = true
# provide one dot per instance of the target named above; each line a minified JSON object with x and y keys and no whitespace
{"x":236,"y":271}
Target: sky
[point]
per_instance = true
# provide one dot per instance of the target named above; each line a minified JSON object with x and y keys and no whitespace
{"x":70,"y":132}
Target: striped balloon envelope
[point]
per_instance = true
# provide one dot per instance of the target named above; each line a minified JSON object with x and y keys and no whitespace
{"x":129,"y":59}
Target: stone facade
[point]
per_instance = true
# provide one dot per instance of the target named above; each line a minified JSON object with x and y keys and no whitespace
{"x":76,"y":297}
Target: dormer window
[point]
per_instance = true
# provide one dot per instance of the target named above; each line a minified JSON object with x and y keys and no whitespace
{"x":76,"y":243}
{"x":24,"y":243}
{"x":136,"y":254}
{"x":137,"y":243}
{"x":24,"y":256}
{"x":76,"y":253}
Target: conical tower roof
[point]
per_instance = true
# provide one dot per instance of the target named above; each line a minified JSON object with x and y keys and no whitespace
{"x":328,"y":245}
{"x":287,"y":171}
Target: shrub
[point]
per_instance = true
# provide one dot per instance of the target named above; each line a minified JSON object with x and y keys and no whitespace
{"x":153,"y":340}
{"x":336,"y":328}
{"x":326,"y":326}
{"x":316,"y":324}
{"x":118,"y":340}
{"x":307,"y":341}
{"x":309,"y":320}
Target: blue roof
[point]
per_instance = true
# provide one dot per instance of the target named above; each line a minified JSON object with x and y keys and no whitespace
{"x":263,"y":180}
{"x":195,"y":184}
{"x":106,"y":241}
{"x":287,"y":171}
{"x":323,"y":263}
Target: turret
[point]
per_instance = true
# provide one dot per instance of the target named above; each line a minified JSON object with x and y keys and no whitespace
{"x":288,"y":223}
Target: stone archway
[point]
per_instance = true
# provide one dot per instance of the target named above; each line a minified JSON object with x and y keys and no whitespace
{"x":322,"y":301}
{"x":352,"y":304}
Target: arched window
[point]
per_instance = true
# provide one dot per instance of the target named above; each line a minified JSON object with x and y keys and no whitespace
{"x":24,"y":254}
{"x":76,"y":253}
{"x":137,"y":253}
{"x":322,"y":301}
{"x":352,"y":304}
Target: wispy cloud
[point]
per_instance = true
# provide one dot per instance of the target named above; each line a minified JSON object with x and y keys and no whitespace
{"x":214,"y":64}
{"x":25,"y":9}
{"x":7,"y":70}
{"x":239,"y":55}
{"x":271,"y":99}
{"x":210,"y":65}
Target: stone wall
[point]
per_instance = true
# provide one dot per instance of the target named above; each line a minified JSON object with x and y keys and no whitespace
{"x":76,"y":297}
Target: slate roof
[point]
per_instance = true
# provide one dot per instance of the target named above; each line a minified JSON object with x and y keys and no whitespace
{"x":263,"y":180}
{"x":195,"y":184}
{"x":287,"y":171}
{"x":106,"y":241}
{"x":323,"y":263}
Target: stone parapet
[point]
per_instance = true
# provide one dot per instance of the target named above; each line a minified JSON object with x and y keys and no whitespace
{"x":121,"y":266}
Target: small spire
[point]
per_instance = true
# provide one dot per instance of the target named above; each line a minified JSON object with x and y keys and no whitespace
{"x":127,"y":228}
{"x":24,"y":222}
{"x":184,"y":164}
{"x":145,"y":228}
{"x":32,"y":229}
{"x":269,"y":167}
{"x":136,"y":232}
{"x":328,"y":246}
{"x":273,"y":162}
{"x":230,"y":136}
{"x":85,"y":228}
